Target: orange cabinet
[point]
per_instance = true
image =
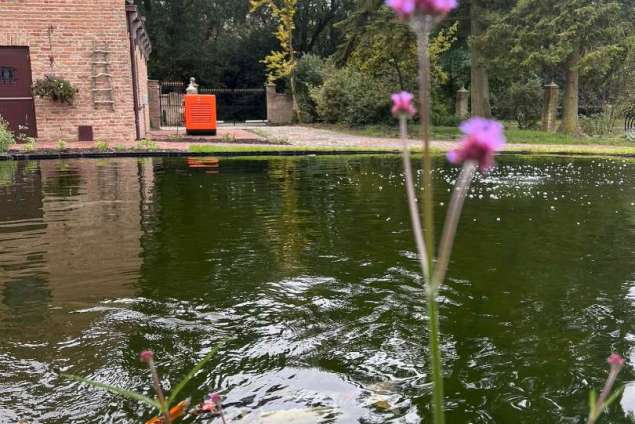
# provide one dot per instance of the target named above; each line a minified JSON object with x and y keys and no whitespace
{"x":200,"y":114}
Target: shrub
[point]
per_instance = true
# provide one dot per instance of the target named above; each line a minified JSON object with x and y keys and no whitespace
{"x":350,"y":97}
{"x":102,"y":146}
{"x":309,"y":75}
{"x":522,"y":102}
{"x":6,"y":136}
{"x":598,"y":124}
{"x":56,"y":89}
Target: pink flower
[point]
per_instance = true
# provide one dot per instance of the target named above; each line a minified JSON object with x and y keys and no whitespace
{"x":615,"y":360}
{"x":215,"y":397}
{"x":402,"y":104}
{"x":483,"y":138}
{"x":403,"y":8}
{"x":146,"y":356}
{"x":406,"y":8}
{"x":436,"y":7}
{"x":208,"y":406}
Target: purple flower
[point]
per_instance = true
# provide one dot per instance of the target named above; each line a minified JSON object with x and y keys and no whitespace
{"x":483,"y":138}
{"x":406,"y":8}
{"x":403,"y":8}
{"x":436,"y":7}
{"x":215,"y":397}
{"x":146,"y":356}
{"x":402,"y":104}
{"x":615,"y":360}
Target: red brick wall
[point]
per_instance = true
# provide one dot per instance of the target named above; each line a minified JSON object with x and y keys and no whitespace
{"x":76,"y":25}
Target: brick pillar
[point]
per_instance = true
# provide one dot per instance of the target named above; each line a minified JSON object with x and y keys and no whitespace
{"x":462,"y":103}
{"x":550,"y":108}
{"x":154,"y":100}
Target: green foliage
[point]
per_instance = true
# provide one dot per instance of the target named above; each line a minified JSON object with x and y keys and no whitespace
{"x":522,"y":102}
{"x":128,"y":394}
{"x":599,"y":124}
{"x":6,"y":136}
{"x":146,"y":144}
{"x":61,"y":145}
{"x":102,"y":145}
{"x":351,"y":97}
{"x":115,"y":390}
{"x":310,"y":76}
{"x":281,"y":63}
{"x":30,"y":145}
{"x":56,"y":89}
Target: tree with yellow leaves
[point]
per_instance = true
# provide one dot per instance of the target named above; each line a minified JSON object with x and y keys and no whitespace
{"x":282,"y":63}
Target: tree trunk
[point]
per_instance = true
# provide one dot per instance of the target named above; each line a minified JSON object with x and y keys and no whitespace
{"x":570,"y":106}
{"x":479,"y":85}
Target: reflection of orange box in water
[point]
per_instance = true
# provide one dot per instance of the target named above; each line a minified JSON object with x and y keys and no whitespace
{"x":200,"y":114}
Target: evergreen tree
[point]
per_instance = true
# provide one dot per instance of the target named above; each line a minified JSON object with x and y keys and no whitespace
{"x":568,"y":36}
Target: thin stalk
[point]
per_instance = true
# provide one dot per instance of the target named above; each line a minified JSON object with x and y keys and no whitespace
{"x":423,"y":26}
{"x":412,"y":200}
{"x":165,"y":410}
{"x":436,"y":367}
{"x":461,"y":189}
{"x":604,"y":395}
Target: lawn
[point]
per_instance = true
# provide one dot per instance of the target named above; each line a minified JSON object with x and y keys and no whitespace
{"x":514,"y":135}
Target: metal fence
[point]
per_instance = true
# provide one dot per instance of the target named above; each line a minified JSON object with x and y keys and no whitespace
{"x":629,"y":125}
{"x":233,"y":105}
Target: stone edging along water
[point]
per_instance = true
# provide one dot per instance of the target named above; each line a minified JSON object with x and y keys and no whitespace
{"x":89,"y":154}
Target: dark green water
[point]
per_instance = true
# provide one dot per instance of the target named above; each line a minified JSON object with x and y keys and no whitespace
{"x":305,"y":267}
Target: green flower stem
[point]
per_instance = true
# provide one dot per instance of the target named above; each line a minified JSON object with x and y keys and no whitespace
{"x":156,"y":381}
{"x":412,"y":200}
{"x":422,"y":26}
{"x":461,"y":188}
{"x":436,"y":367}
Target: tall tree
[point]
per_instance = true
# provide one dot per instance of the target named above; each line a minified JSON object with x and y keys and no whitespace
{"x":479,"y":85}
{"x":569,"y":36}
{"x":282,"y":63}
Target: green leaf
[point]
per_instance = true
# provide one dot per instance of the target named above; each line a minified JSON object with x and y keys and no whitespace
{"x":177,"y":389}
{"x":116,"y":390}
{"x":592,"y":401}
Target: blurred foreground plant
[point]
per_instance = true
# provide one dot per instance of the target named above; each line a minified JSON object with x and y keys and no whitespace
{"x":482,"y":138}
{"x":168,"y":410}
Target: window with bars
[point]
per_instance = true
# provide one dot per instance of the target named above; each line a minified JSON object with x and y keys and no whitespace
{"x":7,"y":75}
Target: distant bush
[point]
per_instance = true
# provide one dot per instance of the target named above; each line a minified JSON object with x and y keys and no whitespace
{"x":6,"y":136}
{"x":598,"y":124}
{"x":309,"y":76}
{"x":522,"y":102}
{"x":353,"y":98}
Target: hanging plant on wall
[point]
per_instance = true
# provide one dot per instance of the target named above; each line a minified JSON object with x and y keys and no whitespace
{"x":56,"y":89}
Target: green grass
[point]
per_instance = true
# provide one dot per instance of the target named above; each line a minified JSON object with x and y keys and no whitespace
{"x":538,"y":149}
{"x":514,"y":135}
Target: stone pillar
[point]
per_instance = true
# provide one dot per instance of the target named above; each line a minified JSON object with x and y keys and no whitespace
{"x":550,"y":107}
{"x":462,"y":103}
{"x":279,"y":107}
{"x":154,"y":104}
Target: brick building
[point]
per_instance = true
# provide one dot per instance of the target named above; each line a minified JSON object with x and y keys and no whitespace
{"x":99,"y":46}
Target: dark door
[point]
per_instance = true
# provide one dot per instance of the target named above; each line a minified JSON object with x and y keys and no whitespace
{"x":16,"y":95}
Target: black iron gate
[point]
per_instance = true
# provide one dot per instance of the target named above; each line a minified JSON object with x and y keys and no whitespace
{"x":629,"y":125}
{"x":233,"y":105}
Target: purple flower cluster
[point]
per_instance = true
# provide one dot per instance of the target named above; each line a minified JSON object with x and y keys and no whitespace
{"x":483,"y":138}
{"x":402,"y":104}
{"x":406,"y":8}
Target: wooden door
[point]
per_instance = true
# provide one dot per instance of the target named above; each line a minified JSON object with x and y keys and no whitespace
{"x":16,"y":95}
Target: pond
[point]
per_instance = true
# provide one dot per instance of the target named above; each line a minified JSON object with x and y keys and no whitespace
{"x":304,"y":269}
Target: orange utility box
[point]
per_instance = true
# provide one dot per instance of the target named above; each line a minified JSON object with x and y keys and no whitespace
{"x":200,"y":114}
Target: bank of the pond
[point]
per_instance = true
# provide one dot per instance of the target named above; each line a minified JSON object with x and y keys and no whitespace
{"x":294,"y":140}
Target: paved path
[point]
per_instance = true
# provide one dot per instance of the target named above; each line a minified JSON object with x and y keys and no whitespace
{"x":316,"y":137}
